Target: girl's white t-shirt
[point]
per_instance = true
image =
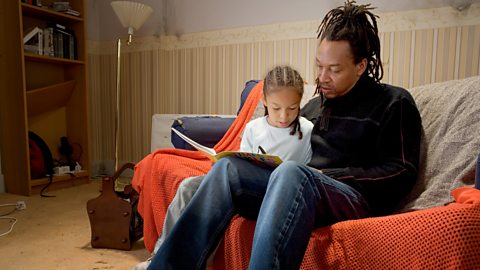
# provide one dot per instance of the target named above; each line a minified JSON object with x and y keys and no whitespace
{"x":278,"y":141}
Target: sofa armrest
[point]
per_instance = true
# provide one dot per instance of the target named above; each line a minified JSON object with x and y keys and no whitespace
{"x":206,"y":130}
{"x":161,"y":128}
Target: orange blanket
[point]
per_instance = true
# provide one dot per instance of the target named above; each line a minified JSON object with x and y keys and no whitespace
{"x":159,"y":174}
{"x":445,"y":237}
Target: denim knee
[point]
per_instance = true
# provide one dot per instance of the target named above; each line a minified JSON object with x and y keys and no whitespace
{"x":292,"y":171}
{"x":288,"y":166}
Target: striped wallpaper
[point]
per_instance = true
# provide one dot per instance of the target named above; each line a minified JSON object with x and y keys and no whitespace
{"x":204,"y":73}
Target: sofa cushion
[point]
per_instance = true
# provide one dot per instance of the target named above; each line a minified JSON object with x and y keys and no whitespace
{"x":245,"y":92}
{"x":194,"y":128}
{"x":450,"y":114}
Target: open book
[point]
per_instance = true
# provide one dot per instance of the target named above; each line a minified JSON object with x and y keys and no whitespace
{"x":263,"y":160}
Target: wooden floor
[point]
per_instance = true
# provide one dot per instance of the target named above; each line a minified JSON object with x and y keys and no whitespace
{"x":54,"y":233}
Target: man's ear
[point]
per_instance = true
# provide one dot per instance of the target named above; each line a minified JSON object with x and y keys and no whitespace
{"x":361,"y":67}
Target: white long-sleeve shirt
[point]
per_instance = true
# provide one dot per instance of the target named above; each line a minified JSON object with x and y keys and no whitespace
{"x":278,"y":141}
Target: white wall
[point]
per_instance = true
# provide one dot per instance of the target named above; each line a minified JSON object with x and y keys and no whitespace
{"x":177,"y":17}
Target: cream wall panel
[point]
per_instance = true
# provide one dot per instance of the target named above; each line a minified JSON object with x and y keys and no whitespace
{"x":204,"y":73}
{"x":423,"y":58}
{"x":444,"y":56}
{"x":401,"y":57}
{"x":385,"y":54}
{"x":469,"y":51}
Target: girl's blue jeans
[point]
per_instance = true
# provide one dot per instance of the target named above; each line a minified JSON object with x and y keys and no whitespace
{"x":288,"y":203}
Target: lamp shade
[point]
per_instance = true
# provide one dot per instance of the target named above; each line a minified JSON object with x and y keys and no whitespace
{"x":460,"y":5}
{"x":131,"y":14}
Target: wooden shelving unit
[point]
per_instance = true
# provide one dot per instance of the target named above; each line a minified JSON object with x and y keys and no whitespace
{"x":43,"y":94}
{"x":53,"y":60}
{"x":50,"y":97}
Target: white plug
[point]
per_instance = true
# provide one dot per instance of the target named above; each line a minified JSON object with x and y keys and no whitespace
{"x":21,"y":205}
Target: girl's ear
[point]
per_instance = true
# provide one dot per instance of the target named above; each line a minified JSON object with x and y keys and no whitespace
{"x":264,"y":101}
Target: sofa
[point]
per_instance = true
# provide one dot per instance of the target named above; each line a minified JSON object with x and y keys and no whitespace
{"x":436,"y":227}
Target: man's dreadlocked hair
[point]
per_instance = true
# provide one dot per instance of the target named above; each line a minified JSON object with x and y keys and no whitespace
{"x":284,"y":76}
{"x":358,"y":26}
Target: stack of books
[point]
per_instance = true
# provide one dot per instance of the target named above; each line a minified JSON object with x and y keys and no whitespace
{"x":56,"y":40}
{"x":64,"y":7}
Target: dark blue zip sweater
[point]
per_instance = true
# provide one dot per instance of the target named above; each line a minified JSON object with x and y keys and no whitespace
{"x":368,"y":139}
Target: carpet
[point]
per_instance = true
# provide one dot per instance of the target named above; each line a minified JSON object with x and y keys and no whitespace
{"x":54,"y":233}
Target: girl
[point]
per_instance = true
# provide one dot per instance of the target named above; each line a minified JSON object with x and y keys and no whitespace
{"x":282,"y":93}
{"x":282,"y":132}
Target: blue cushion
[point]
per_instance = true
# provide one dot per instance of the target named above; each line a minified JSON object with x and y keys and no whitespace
{"x":246,"y":91}
{"x":206,"y":130}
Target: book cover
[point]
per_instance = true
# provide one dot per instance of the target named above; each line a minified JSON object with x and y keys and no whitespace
{"x":58,"y":44}
{"x":263,"y":160}
{"x":48,"y":46}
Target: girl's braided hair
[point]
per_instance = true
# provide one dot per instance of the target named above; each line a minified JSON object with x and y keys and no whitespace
{"x":285,"y":76}
{"x":358,"y":26}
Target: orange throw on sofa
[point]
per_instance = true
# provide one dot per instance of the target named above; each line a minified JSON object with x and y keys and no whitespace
{"x":159,"y":174}
{"x":445,"y":237}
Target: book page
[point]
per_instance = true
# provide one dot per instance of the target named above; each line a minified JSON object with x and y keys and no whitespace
{"x":262,"y":160}
{"x":210,"y":152}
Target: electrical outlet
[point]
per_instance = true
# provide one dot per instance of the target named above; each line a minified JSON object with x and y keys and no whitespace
{"x":21,"y":205}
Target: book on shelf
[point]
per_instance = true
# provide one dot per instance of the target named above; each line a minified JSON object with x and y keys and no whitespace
{"x":60,"y":6}
{"x":263,"y":160}
{"x":72,"y":12}
{"x":64,"y":41}
{"x":48,"y":46}
{"x":33,"y":40}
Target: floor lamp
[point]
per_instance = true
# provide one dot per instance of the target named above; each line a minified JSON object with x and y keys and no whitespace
{"x":132,"y":15}
{"x":115,"y":223}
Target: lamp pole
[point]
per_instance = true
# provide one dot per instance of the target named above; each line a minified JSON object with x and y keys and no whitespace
{"x":131,"y":15}
{"x":117,"y":108}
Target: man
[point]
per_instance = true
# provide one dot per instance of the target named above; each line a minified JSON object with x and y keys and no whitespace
{"x":365,"y":144}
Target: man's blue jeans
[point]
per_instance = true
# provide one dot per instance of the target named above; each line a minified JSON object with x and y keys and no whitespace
{"x":288,"y":203}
